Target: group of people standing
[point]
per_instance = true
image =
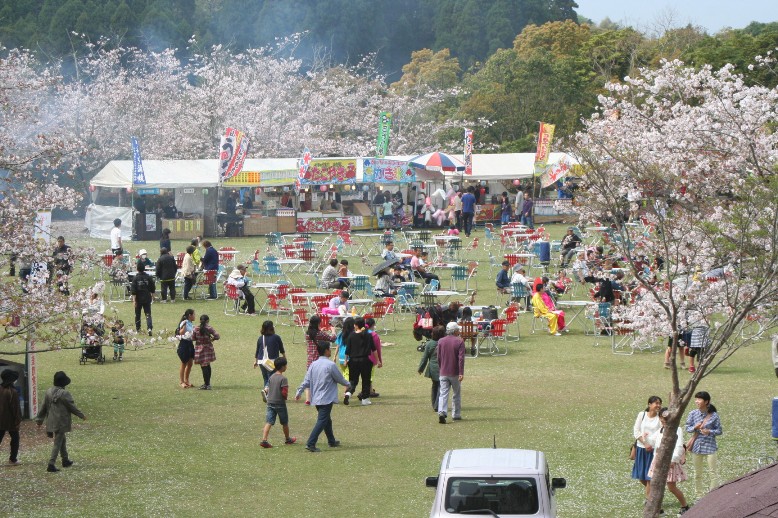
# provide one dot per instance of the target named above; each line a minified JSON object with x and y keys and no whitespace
{"x":703,"y":423}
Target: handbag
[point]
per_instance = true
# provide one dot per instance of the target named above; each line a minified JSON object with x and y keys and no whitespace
{"x":690,"y":442}
{"x":426,"y":321}
{"x":266,"y":363}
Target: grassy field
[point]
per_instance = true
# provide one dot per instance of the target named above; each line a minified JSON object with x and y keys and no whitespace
{"x":150,"y":448}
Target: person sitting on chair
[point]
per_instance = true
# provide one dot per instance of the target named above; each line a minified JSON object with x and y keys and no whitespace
{"x":238,"y":279}
{"x":544,"y":308}
{"x":417,"y":265}
{"x":503,"y":281}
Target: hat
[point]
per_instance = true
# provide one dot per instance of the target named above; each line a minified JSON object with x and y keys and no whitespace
{"x":142,"y":251}
{"x":506,"y":263}
{"x":234,"y":274}
{"x":61,"y":379}
{"x":452,"y":327}
{"x":9,"y":376}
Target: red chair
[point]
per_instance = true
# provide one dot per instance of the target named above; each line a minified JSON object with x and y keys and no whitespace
{"x":380,"y":310}
{"x":511,"y":316}
{"x":299,"y":320}
{"x":275,"y":304}
{"x":206,"y":278}
{"x":180,"y":259}
{"x":497,"y":331}
{"x":232,"y":300}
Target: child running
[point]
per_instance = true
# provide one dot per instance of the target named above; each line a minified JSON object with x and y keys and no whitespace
{"x":118,"y":340}
{"x":277,"y":392}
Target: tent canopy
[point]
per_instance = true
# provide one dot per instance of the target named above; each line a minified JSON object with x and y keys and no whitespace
{"x":171,"y":174}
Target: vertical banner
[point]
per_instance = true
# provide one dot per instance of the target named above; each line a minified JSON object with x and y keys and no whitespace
{"x":233,"y":150}
{"x":138,"y":176}
{"x":384,"y":128}
{"x":42,"y":227}
{"x":544,"y":147}
{"x":468,"y":151}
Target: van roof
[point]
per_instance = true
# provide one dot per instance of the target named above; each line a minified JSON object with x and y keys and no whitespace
{"x":498,"y":461}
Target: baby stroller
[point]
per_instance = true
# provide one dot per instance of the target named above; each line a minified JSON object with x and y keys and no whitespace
{"x":91,"y":343}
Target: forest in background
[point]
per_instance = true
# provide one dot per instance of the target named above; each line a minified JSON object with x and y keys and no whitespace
{"x":498,"y":66}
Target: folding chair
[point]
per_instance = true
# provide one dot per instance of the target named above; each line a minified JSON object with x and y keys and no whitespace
{"x":496,"y":331}
{"x":458,"y":273}
{"x":299,"y":320}
{"x":468,"y":332}
{"x":381,"y":309}
{"x":232,"y":300}
{"x":511,"y":315}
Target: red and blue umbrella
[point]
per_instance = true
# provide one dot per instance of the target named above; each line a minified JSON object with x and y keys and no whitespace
{"x":437,"y":162}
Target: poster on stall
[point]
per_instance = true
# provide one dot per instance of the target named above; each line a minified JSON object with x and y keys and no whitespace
{"x":381,"y":170}
{"x":324,"y":171}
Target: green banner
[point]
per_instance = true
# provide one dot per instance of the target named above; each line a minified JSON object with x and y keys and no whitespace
{"x":384,"y":128}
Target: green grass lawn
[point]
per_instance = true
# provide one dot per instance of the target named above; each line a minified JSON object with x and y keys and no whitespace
{"x":150,"y":448}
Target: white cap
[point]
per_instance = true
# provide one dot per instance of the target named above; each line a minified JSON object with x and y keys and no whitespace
{"x":142,"y":251}
{"x":452,"y":327}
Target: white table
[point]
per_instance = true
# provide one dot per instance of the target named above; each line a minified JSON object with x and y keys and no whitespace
{"x":228,"y":256}
{"x":357,"y":302}
{"x":444,"y":295}
{"x":577,"y":307}
{"x":292,"y":266}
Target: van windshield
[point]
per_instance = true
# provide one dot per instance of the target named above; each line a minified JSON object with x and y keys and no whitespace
{"x":504,"y":496}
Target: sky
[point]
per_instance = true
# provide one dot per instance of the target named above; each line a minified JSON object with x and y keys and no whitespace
{"x":648,"y":15}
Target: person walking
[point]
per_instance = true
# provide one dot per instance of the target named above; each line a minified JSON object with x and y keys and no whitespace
{"x":269,"y":347}
{"x":704,"y":423}
{"x":185,"y":350}
{"x":646,"y":424}
{"x":359,"y":347}
{"x":58,"y":405}
{"x":142,"y":289}
{"x":451,"y":362}
{"x":204,"y":336}
{"x":676,"y":473}
{"x":322,"y":378}
{"x":166,"y":269}
{"x":278,"y":389}
{"x":314,"y":335}
{"x":429,"y":363}
{"x":468,"y":210}
{"x":10,"y":413}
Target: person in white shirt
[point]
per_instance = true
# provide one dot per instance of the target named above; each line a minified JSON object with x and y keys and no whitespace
{"x":519,"y":277}
{"x":116,"y":237}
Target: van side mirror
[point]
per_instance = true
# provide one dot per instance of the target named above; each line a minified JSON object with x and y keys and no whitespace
{"x":431,"y":481}
{"x":558,"y":483}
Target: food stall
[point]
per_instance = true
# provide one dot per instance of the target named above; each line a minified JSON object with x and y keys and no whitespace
{"x":266,"y":195}
{"x":190,"y":183}
{"x":332,"y":198}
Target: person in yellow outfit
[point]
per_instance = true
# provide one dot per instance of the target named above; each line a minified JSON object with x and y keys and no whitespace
{"x":556,"y":318}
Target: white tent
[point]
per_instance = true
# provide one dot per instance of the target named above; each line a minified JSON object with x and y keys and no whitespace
{"x":507,"y":166}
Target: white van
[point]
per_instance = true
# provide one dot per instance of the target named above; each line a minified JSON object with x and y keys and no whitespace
{"x":497,"y":481}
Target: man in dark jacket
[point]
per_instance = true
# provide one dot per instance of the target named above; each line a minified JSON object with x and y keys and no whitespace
{"x":142,"y":289}
{"x":10,"y":413}
{"x":166,"y":274}
{"x":210,"y":261}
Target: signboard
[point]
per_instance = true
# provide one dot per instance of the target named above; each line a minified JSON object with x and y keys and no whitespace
{"x":189,"y":190}
{"x":331,"y":171}
{"x":468,"y":151}
{"x":381,"y":170}
{"x":149,"y":191}
{"x":544,"y":147}
{"x":151,"y":222}
{"x":384,"y":128}
{"x":42,"y":227}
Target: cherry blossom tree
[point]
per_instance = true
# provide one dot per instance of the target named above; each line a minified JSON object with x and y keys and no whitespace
{"x":31,"y":151}
{"x":700,"y":146}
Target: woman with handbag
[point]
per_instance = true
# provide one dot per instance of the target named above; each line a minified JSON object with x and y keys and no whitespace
{"x":204,"y":355}
{"x":704,"y":425}
{"x":676,"y":473}
{"x":269,"y":347}
{"x":646,"y":424}
{"x":185,"y":350}
{"x":314,"y":335}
